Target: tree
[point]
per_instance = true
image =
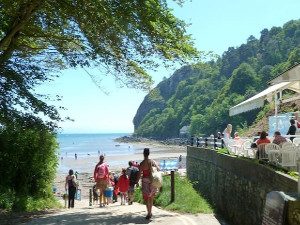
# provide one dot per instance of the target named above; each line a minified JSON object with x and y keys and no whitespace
{"x":40,"y":37}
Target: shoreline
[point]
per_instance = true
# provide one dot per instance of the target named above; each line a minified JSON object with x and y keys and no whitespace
{"x":85,"y":165}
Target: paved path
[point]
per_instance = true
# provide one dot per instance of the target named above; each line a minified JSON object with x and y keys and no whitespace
{"x":115,"y":214}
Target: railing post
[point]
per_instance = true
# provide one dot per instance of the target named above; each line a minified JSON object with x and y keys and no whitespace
{"x":222,"y":143}
{"x":172,"y":186}
{"x":298,"y":165}
{"x":90,"y":198}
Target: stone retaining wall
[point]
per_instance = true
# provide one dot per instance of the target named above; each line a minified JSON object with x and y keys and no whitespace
{"x":236,"y":187}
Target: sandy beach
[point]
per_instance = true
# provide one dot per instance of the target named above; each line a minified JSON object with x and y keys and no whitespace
{"x":85,"y":165}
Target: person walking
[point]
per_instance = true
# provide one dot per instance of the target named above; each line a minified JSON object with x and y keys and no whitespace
{"x":145,"y":171}
{"x":101,"y":177}
{"x":71,"y":186}
{"x":132,"y":172}
{"x":123,"y":185}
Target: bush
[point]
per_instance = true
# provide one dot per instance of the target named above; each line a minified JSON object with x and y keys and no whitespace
{"x":28,"y":162}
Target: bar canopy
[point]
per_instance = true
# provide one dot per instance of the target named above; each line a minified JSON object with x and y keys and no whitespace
{"x":257,"y":101}
{"x":289,"y":79}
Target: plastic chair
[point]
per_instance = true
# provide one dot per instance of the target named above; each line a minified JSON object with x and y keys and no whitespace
{"x":288,"y":140}
{"x":247,"y":149}
{"x":273,"y":152}
{"x":261,"y":153}
{"x":287,"y":146}
{"x":296,"y":141}
{"x":288,"y":158}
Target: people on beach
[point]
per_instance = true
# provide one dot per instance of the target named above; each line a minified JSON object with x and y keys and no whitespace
{"x":71,"y":186}
{"x":110,"y":189}
{"x":132,"y":172}
{"x":145,"y":171}
{"x":101,"y":178}
{"x":116,"y":188}
{"x":123,"y":184}
{"x":95,"y":195}
{"x":75,"y":156}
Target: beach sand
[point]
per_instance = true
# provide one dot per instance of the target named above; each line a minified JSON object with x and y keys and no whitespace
{"x":85,"y":165}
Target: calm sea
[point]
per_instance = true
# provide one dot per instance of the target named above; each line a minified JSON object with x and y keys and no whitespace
{"x":91,"y":144}
{"x":88,"y":145}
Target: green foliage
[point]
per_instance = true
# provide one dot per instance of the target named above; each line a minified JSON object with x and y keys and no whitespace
{"x":223,"y":151}
{"x":28,"y":163}
{"x":202,"y":94}
{"x":30,"y":204}
{"x":187,"y":200}
{"x":38,"y":38}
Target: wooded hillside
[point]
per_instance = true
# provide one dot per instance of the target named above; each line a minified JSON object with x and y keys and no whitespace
{"x":200,"y":95}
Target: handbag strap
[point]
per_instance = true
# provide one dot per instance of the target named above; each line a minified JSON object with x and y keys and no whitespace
{"x":150,"y":165}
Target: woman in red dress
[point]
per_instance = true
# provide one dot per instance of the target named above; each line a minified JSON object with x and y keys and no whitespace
{"x":148,"y":190}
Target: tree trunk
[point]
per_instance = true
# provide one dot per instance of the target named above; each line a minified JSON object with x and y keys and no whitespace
{"x":24,"y":15}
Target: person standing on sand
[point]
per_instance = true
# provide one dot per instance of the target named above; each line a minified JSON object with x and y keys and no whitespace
{"x":101,"y":177}
{"x":145,"y":170}
{"x":123,"y":184}
{"x":71,"y":186}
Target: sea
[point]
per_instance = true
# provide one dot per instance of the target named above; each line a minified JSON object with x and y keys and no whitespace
{"x":90,"y":146}
{"x":93,"y":144}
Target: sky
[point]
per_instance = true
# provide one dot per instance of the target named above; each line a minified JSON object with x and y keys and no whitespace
{"x":215,"y":25}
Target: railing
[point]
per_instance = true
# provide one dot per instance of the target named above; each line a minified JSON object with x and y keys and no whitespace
{"x":208,"y":142}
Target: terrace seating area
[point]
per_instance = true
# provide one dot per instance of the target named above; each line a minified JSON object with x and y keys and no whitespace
{"x":285,"y":155}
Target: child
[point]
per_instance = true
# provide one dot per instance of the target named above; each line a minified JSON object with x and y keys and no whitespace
{"x":123,"y":185}
{"x":95,"y":195}
{"x":109,"y":189}
{"x":116,"y":188}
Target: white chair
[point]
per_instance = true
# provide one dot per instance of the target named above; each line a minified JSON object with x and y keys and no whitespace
{"x":287,"y":145}
{"x":273,"y":152}
{"x":297,"y":150}
{"x":261,"y":153}
{"x":296,"y":141}
{"x":248,"y":152}
{"x":235,"y":146}
{"x":288,"y":158}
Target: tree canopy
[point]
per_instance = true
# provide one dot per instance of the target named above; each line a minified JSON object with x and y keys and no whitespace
{"x":38,"y":38}
{"x":200,"y":95}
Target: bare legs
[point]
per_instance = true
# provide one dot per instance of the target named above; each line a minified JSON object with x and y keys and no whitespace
{"x":149,"y":204}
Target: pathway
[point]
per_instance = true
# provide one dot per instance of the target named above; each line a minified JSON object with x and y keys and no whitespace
{"x":115,"y":214}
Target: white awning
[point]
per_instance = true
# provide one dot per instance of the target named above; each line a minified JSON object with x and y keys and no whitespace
{"x":292,"y":74}
{"x":257,"y":101}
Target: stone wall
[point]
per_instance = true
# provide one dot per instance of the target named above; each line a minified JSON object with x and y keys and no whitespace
{"x":236,"y":187}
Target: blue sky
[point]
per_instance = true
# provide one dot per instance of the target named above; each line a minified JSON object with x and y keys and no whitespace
{"x":215,"y":26}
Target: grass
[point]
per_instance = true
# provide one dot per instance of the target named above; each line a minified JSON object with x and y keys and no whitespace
{"x":187,"y":199}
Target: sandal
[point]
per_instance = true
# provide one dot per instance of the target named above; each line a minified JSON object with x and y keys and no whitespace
{"x":148,"y":216}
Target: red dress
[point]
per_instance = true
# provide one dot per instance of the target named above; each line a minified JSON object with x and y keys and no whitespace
{"x":123,"y":183}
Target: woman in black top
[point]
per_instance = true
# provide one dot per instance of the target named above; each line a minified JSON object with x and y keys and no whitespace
{"x":292,"y":129}
{"x":71,"y":186}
